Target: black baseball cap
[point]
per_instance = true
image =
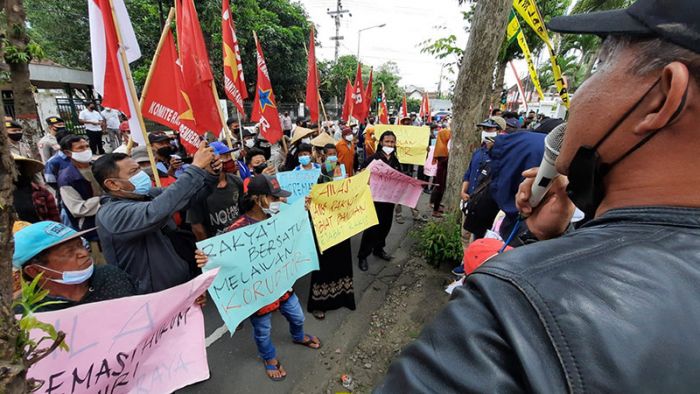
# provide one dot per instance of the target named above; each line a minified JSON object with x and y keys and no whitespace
{"x":157,"y":137}
{"x":267,"y":186}
{"x":12,"y":124}
{"x":52,"y":120}
{"x":676,"y":21}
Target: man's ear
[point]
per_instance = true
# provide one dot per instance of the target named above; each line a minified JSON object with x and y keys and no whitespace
{"x":675,"y":78}
{"x":110,"y":185}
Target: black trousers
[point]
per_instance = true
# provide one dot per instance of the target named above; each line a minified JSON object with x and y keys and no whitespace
{"x":95,"y":138}
{"x":374,"y":238}
{"x":441,"y":180}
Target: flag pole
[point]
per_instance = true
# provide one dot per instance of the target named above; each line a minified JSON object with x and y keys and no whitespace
{"x":240,"y":125}
{"x":134,"y":96}
{"x":318,"y":81}
{"x":221,"y":114}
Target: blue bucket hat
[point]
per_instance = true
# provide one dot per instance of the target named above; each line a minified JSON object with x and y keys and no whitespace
{"x":36,"y":238}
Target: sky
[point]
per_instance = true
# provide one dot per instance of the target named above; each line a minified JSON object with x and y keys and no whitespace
{"x":407,"y":24}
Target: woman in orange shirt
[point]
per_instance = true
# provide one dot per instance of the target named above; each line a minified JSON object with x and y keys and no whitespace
{"x":440,"y":158}
{"x":346,"y":151}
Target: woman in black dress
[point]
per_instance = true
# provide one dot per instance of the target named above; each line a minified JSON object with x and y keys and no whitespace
{"x":374,"y":238}
{"x":332,"y":285}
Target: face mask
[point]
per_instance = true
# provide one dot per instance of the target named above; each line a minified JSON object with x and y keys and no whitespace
{"x":387,"y":150}
{"x":349,"y":138}
{"x":141,"y":182}
{"x":72,"y":277}
{"x":229,"y":166}
{"x":304,"y":160}
{"x":587,"y":170}
{"x":60,"y":130}
{"x":332,"y":159}
{"x":274,"y":208}
{"x":259,"y":168}
{"x":16,"y":137}
{"x":306,"y":140}
{"x":166,"y":151}
{"x":249,"y":143}
{"x":264,"y":144}
{"x":82,"y":157}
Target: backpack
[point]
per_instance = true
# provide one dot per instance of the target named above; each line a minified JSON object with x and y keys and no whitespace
{"x":481,"y":209}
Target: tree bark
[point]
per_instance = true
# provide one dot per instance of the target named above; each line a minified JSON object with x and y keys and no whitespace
{"x":474,"y":88}
{"x":22,"y":90}
{"x":12,"y":371}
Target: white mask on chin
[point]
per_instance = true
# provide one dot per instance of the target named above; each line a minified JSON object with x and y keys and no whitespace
{"x":82,"y":157}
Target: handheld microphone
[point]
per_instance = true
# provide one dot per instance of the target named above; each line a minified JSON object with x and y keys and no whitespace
{"x":547,"y":171}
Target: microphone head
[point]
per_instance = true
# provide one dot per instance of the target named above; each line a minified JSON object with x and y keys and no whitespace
{"x":553,"y":142}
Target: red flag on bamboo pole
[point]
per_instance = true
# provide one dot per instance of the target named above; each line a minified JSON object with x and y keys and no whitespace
{"x":358,"y":95}
{"x":264,"y":107}
{"x":234,"y":82}
{"x":368,"y":97}
{"x":383,"y":111}
{"x":425,"y":108}
{"x":404,"y":108}
{"x":347,"y":102}
{"x":196,"y":72}
{"x":312,"y":98}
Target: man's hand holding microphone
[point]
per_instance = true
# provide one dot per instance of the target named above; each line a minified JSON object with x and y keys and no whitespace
{"x":542,"y":198}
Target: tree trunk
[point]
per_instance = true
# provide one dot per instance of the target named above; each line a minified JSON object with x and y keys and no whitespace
{"x":12,"y":371}
{"x":474,"y":88}
{"x":22,"y":89}
{"x":498,"y":83}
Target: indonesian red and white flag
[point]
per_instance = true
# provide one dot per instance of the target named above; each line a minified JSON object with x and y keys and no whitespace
{"x":108,"y":70}
{"x":234,"y":83}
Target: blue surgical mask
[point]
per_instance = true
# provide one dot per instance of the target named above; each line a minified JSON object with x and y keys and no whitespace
{"x":304,"y":160}
{"x":332,"y":159}
{"x":141,"y":182}
{"x":72,"y":277}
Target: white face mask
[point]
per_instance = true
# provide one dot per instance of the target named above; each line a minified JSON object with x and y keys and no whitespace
{"x":82,"y":157}
{"x":306,"y":140}
{"x":250,"y":143}
{"x":349,"y":138}
{"x":72,"y":277}
{"x":387,"y":150}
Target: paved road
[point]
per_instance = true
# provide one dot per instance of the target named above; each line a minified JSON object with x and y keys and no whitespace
{"x":233,"y":361}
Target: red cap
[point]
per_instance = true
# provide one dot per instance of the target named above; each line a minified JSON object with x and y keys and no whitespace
{"x":124,"y":126}
{"x":480,"y":251}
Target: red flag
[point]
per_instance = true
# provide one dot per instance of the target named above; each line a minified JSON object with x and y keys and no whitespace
{"x":368,"y":96}
{"x":358,"y":95}
{"x":108,"y":70}
{"x":234,"y":83}
{"x":404,"y":108}
{"x":163,"y":100}
{"x":264,"y":107}
{"x":312,"y":98}
{"x":383,"y":110}
{"x":425,"y":108}
{"x":347,"y":102}
{"x":196,"y":72}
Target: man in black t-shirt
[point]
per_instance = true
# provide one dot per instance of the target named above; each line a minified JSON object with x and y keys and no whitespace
{"x":213,"y":211}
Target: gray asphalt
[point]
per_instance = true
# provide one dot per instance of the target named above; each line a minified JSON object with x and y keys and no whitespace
{"x":233,"y":361}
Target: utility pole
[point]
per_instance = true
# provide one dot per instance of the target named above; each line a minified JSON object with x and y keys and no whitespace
{"x":336,"y":15}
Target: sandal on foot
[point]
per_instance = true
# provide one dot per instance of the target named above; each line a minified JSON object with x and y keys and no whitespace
{"x":320,"y":315}
{"x":270,"y":368}
{"x":310,"y":341}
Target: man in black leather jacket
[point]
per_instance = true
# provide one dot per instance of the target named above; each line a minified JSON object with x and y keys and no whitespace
{"x":613,"y":306}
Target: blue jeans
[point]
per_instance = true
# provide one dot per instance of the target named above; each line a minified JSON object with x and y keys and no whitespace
{"x":262,"y":326}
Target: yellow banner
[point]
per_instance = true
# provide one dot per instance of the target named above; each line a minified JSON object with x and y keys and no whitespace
{"x":513,"y":27}
{"x":411,"y":142}
{"x":341,"y":209}
{"x":530,"y":65}
{"x":528,"y":10}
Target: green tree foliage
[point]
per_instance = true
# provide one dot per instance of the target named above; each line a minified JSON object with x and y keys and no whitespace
{"x":334,"y":77}
{"x":282,"y":26}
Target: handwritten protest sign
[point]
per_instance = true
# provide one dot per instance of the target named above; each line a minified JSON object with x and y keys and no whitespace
{"x":151,"y":343}
{"x":342,"y":209}
{"x":298,"y":183}
{"x":430,"y":169}
{"x":260,"y":262}
{"x":389,"y":185}
{"x":411,"y":142}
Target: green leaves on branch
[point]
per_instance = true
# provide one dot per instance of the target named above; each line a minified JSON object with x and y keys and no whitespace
{"x":14,"y":55}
